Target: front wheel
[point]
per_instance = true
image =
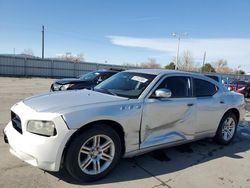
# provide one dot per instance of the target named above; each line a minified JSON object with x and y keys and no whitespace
{"x":93,"y":153}
{"x":227,"y":129}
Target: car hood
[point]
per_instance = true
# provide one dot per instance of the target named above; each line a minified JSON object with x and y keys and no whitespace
{"x":71,"y":81}
{"x":57,"y":101}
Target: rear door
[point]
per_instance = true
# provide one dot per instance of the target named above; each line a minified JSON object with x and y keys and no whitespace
{"x":169,"y":120}
{"x":209,"y":105}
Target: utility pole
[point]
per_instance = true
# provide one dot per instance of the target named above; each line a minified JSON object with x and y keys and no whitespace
{"x":43,"y":42}
{"x":178,"y":46}
{"x":177,"y":53}
{"x":204,"y":59}
{"x":238,"y":71}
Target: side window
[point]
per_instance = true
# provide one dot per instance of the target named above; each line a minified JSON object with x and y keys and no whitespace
{"x":107,"y":75}
{"x":203,"y":88}
{"x":178,"y":85}
{"x":104,"y":77}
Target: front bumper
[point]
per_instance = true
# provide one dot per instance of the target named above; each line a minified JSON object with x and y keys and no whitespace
{"x":40,"y":151}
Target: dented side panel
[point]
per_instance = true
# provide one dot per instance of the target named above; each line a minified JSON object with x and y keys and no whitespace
{"x":167,"y":120}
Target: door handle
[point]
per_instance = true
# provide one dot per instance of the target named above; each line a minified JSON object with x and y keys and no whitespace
{"x":222,"y":102}
{"x":190,"y":104}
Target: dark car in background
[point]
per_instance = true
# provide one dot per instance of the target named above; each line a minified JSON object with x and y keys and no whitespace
{"x":240,"y":86}
{"x":86,"y":81}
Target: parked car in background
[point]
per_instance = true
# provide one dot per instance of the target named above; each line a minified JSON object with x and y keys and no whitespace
{"x":131,"y":113}
{"x":86,"y":81}
{"x":240,"y":86}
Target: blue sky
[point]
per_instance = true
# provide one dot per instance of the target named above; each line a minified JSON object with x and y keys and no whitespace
{"x":129,"y":31}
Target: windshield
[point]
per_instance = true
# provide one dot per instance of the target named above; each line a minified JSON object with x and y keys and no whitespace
{"x":126,"y":84}
{"x":89,"y":76}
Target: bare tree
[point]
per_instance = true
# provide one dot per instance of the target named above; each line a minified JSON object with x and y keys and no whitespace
{"x":131,"y":65}
{"x":28,"y":52}
{"x":186,"y":62}
{"x":222,"y":67}
{"x":151,"y":63}
{"x":72,"y":57}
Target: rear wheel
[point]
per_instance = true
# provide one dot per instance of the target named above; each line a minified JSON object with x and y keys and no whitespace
{"x":227,"y":129}
{"x":247,"y":94}
{"x":93,"y":153}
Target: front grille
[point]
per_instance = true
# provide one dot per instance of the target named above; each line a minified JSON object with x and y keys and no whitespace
{"x":16,"y":122}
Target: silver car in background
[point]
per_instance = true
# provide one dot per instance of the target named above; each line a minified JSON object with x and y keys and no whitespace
{"x":132,"y":112}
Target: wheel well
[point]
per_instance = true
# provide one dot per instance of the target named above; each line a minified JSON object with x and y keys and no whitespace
{"x":114,"y":125}
{"x":235,"y":112}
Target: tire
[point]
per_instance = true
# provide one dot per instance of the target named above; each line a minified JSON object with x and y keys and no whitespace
{"x":85,"y":142}
{"x":246,"y":95}
{"x":222,"y":134}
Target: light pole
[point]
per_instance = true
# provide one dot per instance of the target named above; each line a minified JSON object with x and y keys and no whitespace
{"x":178,"y":36}
{"x":204,"y":59}
{"x":42,"y":41}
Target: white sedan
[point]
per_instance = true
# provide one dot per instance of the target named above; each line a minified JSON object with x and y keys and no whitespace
{"x":132,"y":112}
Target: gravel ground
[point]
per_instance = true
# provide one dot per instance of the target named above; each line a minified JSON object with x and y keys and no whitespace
{"x":199,"y":164}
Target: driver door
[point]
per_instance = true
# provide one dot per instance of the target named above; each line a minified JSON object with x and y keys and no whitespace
{"x":169,"y":120}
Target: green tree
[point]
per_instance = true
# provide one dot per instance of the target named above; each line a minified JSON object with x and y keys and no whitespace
{"x":170,"y":66}
{"x":207,"y":68}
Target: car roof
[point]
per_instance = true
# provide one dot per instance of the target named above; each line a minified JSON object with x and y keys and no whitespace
{"x":107,"y":70}
{"x":163,"y":71}
{"x":152,"y":71}
{"x":166,"y":71}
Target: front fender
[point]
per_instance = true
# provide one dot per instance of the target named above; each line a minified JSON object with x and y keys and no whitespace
{"x":127,"y":114}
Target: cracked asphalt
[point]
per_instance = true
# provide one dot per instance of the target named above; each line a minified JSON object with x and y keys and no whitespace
{"x":199,"y":164}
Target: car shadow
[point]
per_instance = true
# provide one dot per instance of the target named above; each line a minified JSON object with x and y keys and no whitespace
{"x":169,"y":160}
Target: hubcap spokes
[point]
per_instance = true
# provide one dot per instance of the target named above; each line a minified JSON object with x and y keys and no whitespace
{"x":96,"y":154}
{"x":228,"y":129}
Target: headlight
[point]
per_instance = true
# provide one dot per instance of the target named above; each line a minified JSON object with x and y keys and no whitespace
{"x":56,"y":87}
{"x":45,"y":128}
{"x":65,"y":87}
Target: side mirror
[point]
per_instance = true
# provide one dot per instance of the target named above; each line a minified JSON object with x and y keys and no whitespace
{"x":163,"y":93}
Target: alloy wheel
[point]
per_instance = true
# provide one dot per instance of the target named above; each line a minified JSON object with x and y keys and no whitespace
{"x":228,"y":128}
{"x":96,"y":154}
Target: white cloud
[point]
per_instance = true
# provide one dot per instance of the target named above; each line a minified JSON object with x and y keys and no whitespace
{"x":235,"y":50}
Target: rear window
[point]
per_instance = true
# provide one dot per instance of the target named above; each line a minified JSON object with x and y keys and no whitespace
{"x":216,"y":78}
{"x":203,"y":88}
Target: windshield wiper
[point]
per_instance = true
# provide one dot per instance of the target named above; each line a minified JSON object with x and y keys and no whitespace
{"x":107,"y":91}
{"x":110,"y":92}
